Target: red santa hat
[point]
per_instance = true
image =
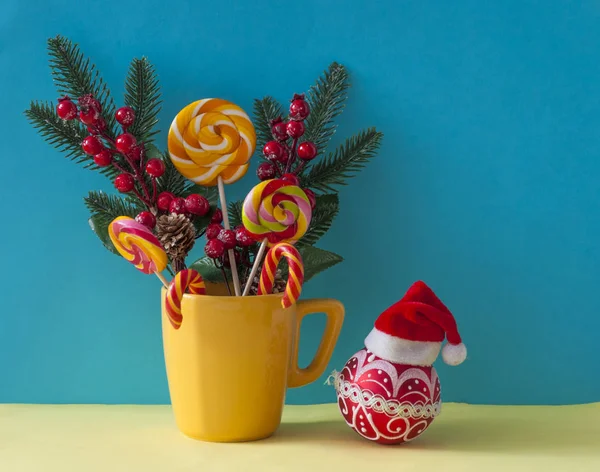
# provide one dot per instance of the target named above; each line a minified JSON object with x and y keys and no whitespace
{"x":412,"y":330}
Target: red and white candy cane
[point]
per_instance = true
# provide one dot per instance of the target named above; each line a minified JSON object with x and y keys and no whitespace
{"x":295,"y":277}
{"x":187,"y":279}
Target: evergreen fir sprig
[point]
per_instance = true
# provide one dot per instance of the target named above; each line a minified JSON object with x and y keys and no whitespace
{"x":76,"y":76}
{"x":326,"y":99}
{"x":325,"y":211}
{"x":66,"y":136}
{"x":265,"y":110}
{"x":142,"y":93}
{"x":235,"y":213}
{"x":344,"y":162}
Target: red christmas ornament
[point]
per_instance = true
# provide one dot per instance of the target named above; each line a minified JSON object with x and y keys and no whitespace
{"x":278,"y":130}
{"x":91,"y":145}
{"x":291,"y":178}
{"x":299,"y":108}
{"x":103,"y":158}
{"x":307,"y":151}
{"x":311,"y":197}
{"x":197,"y":205}
{"x":147,"y":219}
{"x":243,"y":237}
{"x":295,"y":129}
{"x":66,"y":109}
{"x":266,"y":171}
{"x":124,"y":183}
{"x":214,"y":248}
{"x":155,"y":167}
{"x":227,"y":237}
{"x":389,"y":392}
{"x":178,"y":206}
{"x":164,"y":200}
{"x":217,"y":216}
{"x":213,"y":230}
{"x":125,"y":116}
{"x":125,"y":142}
{"x":273,"y":151}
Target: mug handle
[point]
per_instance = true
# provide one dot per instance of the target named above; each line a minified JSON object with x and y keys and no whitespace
{"x":334,"y":310}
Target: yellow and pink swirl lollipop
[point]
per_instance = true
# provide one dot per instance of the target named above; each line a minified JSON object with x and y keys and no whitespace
{"x":275,"y":211}
{"x":210,"y":143}
{"x":136,"y":243}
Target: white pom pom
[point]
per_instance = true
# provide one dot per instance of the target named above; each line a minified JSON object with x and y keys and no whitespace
{"x":454,"y":354}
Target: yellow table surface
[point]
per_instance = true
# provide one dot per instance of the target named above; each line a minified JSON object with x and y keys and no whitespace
{"x":88,"y":438}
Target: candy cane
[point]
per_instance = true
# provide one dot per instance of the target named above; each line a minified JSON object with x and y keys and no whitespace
{"x":295,"y":276}
{"x":187,"y":279}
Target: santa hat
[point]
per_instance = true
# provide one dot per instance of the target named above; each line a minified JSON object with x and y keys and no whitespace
{"x":412,"y":330}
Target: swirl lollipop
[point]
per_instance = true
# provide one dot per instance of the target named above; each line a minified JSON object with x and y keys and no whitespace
{"x":136,"y":243}
{"x":276,"y":211}
{"x":210,"y":143}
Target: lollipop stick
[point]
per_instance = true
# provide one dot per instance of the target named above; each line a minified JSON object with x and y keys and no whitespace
{"x":162,"y":279}
{"x":233,"y":265}
{"x":257,"y":259}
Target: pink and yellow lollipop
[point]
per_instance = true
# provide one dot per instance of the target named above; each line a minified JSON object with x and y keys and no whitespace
{"x":187,"y":279}
{"x":295,"y":280}
{"x":211,"y":138}
{"x":136,"y":243}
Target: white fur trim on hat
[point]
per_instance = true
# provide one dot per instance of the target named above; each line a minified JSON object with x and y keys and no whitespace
{"x":454,"y":354}
{"x":402,"y":351}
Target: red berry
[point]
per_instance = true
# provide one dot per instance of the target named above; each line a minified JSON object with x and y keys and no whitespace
{"x":66,"y":109}
{"x":217,"y":216}
{"x":155,"y":167}
{"x":227,"y":237}
{"x":295,"y":129}
{"x":285,"y":156}
{"x":124,"y":183}
{"x":92,"y":145}
{"x":214,"y":248}
{"x":98,"y":127}
{"x":213,"y":230}
{"x":125,"y":142}
{"x":236,"y":254}
{"x":197,"y":204}
{"x":125,"y":116}
{"x":103,"y":158}
{"x":89,"y":116}
{"x":88,"y":101}
{"x":147,"y":219}
{"x":311,"y":197}
{"x":164,"y":200}
{"x":243,"y":238}
{"x":291,"y":178}
{"x":299,"y":108}
{"x":135,"y":153}
{"x":273,"y":150}
{"x":278,"y":130}
{"x":266,"y":171}
{"x":178,"y":206}
{"x":307,"y":151}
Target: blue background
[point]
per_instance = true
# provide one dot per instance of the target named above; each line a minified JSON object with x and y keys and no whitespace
{"x":486,"y":187}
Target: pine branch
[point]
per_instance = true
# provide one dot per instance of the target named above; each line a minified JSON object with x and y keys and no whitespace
{"x":104,"y":208}
{"x":171,"y":181}
{"x":235,"y":213}
{"x":66,"y":136}
{"x":265,"y":110}
{"x":347,"y":160}
{"x":325,"y":211}
{"x":142,"y":93}
{"x":74,"y":75}
{"x":326,"y":99}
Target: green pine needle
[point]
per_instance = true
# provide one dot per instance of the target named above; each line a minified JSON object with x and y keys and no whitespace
{"x":235,"y":213}
{"x":75,"y":75}
{"x":345,"y":162}
{"x":325,"y":211}
{"x":66,"y":136}
{"x":142,"y":93}
{"x":265,"y":110}
{"x":326,"y":99}
{"x":171,"y":181}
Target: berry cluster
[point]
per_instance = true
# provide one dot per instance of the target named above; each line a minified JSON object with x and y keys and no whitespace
{"x":219,"y":240}
{"x":287,"y":160}
{"x":129,"y":157}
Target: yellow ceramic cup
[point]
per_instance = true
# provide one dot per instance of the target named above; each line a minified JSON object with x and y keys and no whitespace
{"x":232,"y":359}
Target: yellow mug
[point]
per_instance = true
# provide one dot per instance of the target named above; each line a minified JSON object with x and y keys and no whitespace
{"x":232,"y":359}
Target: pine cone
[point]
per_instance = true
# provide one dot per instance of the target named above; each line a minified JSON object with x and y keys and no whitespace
{"x":177,"y":235}
{"x":278,"y":286}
